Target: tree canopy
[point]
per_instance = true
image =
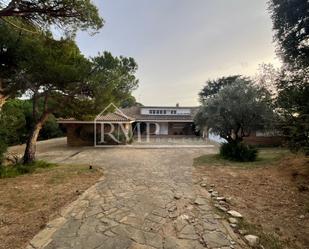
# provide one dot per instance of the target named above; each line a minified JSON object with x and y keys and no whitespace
{"x":212,"y":87}
{"x":293,"y":106}
{"x":235,"y":111}
{"x":15,"y":46}
{"x":57,"y":77}
{"x":291,"y":27}
{"x":111,"y":79}
{"x":68,"y":15}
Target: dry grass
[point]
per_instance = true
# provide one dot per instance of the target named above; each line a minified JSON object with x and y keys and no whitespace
{"x":27,"y":202}
{"x":272,"y":194}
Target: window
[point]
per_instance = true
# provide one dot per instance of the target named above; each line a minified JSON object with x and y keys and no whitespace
{"x":161,"y":112}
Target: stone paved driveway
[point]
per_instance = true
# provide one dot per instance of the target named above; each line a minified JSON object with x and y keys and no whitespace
{"x":148,"y":198}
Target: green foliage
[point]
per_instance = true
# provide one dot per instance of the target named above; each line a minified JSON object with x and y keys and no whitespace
{"x":59,"y":80}
{"x":212,"y":87}
{"x":68,"y":15}
{"x":236,"y":110}
{"x":21,"y":169}
{"x":290,"y":24}
{"x":266,"y":78}
{"x":13,"y":120}
{"x":50,"y":129}
{"x":3,"y":148}
{"x":266,"y":157}
{"x":128,"y":102}
{"x":292,"y":100}
{"x":240,"y":152}
{"x":112,"y":80}
{"x":14,"y":47}
{"x":267,"y":240}
{"x":16,"y":120}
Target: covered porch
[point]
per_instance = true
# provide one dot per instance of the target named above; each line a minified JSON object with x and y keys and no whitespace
{"x":165,"y":129}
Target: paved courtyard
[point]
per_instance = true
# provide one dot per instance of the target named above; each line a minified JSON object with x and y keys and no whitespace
{"x":148,"y":198}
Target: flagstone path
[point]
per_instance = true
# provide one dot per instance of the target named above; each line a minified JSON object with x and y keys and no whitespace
{"x":148,"y":198}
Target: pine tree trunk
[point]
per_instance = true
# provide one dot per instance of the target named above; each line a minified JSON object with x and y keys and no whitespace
{"x":29,"y":155}
{"x":2,"y":100}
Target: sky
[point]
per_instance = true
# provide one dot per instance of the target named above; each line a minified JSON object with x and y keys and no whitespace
{"x":179,"y":44}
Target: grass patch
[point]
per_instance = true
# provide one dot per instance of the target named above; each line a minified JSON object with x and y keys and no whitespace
{"x":266,"y":156}
{"x":28,"y":201}
{"x":267,"y":240}
{"x":20,"y":169}
{"x":65,"y":171}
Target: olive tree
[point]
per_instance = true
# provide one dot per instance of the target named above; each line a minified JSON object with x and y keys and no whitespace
{"x":236,"y":111}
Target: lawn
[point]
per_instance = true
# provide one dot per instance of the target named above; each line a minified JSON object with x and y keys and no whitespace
{"x":266,"y":157}
{"x":29,"y":201}
{"x":272,"y":194}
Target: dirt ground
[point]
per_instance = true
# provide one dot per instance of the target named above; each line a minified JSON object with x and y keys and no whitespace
{"x":273,"y":197}
{"x":27,"y":202}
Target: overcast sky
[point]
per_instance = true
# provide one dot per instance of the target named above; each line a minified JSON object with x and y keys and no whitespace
{"x":179,"y":44}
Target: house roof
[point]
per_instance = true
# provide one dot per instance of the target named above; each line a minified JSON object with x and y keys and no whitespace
{"x":135,"y":112}
{"x":114,"y":117}
{"x":169,"y":107}
{"x":110,"y":117}
{"x":131,"y":114}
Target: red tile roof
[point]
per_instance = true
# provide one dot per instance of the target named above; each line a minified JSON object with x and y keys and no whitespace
{"x":114,"y":117}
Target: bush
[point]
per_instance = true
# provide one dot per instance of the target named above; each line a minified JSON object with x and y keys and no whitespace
{"x":20,"y":169}
{"x":15,"y":128}
{"x":50,"y":129}
{"x":3,"y":148}
{"x":240,"y":152}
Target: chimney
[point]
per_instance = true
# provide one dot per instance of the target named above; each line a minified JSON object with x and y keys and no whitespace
{"x":177,"y":105}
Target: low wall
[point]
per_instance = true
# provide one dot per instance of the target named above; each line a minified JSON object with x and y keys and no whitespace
{"x":267,"y":141}
{"x":80,"y":135}
{"x":83,"y":134}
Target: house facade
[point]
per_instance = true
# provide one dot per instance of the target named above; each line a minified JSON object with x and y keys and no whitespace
{"x":173,"y":121}
{"x":150,"y":121}
{"x":163,"y":121}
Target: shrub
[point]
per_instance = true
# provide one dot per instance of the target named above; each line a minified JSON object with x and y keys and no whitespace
{"x":20,"y":169}
{"x":50,"y":129}
{"x":240,"y":152}
{"x":3,"y":148}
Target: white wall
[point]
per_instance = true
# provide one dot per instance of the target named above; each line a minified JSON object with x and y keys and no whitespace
{"x":179,"y":111}
{"x":163,"y":128}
